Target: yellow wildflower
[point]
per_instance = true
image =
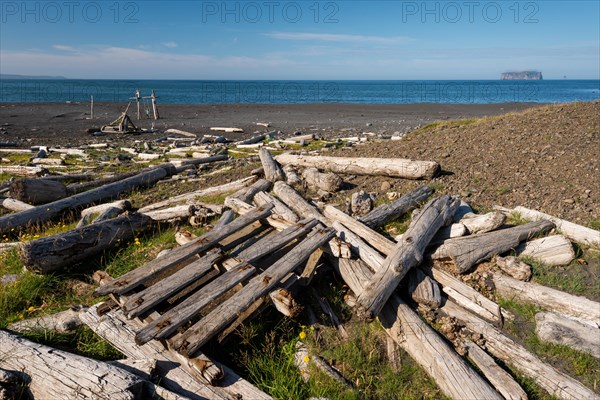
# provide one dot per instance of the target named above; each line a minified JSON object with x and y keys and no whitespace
{"x":306,"y":359}
{"x":302,"y":335}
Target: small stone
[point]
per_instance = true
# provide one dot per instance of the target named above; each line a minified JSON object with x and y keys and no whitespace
{"x":361,"y":203}
{"x":385,"y":186}
{"x":569,"y":201}
{"x":369,"y":124}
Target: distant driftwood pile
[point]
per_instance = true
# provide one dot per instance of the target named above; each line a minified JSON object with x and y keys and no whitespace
{"x":268,"y":242}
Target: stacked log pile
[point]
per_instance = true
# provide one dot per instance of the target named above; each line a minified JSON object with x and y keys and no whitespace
{"x":270,"y":237}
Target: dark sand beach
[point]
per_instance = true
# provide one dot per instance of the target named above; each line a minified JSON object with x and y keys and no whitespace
{"x":66,"y":123}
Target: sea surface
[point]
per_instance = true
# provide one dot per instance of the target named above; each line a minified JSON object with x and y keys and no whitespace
{"x":292,"y":92}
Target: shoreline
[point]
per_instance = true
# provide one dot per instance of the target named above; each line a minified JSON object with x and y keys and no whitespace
{"x":66,"y":123}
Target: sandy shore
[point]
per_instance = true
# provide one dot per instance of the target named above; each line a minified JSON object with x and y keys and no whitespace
{"x":66,"y":123}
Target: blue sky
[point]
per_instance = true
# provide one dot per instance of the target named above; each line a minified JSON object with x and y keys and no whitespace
{"x":300,"y":39}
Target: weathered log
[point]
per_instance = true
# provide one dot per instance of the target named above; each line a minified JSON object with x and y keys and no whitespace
{"x":551,"y":250}
{"x":142,"y":274}
{"x":100,"y":208}
{"x":61,"y":322}
{"x":180,"y":132}
{"x":514,"y":267}
{"x":291,"y":175}
{"x":196,"y":336}
{"x":145,"y":369}
{"x":448,"y":232}
{"x":175,"y":373}
{"x":504,"y":383}
{"x":316,"y":180}
{"x":271,"y":169}
{"x":15,"y":205}
{"x":300,"y":359}
{"x":406,"y":255}
{"x":58,"y":374}
{"x":73,"y":177}
{"x":284,"y":302}
{"x":50,"y":253}
{"x":483,"y":223}
{"x":467,"y":251}
{"x":393,"y":167}
{"x":108,"y":213}
{"x":505,"y":349}
{"x":21,"y":170}
{"x":280,"y":210}
{"x":47,"y":161}
{"x":37,"y":191}
{"x":55,"y":209}
{"x":390,"y":212}
{"x":296,"y":202}
{"x":176,"y":212}
{"x":246,"y":194}
{"x":193,"y":196}
{"x":548,"y":298}
{"x":203,"y":160}
{"x":80,"y":187}
{"x":241,"y":207}
{"x":11,"y":384}
{"x":452,"y":374}
{"x":371,"y":257}
{"x":423,"y":289}
{"x":575,"y":232}
{"x":557,"y":329}
{"x":240,"y":271}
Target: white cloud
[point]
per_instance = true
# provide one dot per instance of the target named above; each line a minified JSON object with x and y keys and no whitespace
{"x":331,"y":37}
{"x":63,"y":47}
{"x":170,"y":44}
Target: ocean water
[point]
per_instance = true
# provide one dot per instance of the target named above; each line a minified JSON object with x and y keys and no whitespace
{"x":293,"y":92}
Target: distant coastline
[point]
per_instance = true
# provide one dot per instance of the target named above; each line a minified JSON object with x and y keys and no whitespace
{"x":29,"y":77}
{"x":522,"y":76}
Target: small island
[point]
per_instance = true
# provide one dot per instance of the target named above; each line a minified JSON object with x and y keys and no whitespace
{"x":522,"y":76}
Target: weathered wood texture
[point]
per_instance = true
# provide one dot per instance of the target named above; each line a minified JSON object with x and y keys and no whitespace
{"x":557,"y":329}
{"x":296,"y":202}
{"x":467,"y":251}
{"x":280,"y":210}
{"x":21,"y":170}
{"x":548,"y":298}
{"x":50,"y":253}
{"x":272,"y":170}
{"x":389,"y":212}
{"x":514,"y":267}
{"x":551,"y":250}
{"x":55,"y":209}
{"x":393,"y":167}
{"x":37,"y":191}
{"x":406,"y":255}
{"x":140,"y":275}
{"x":14,"y":205}
{"x":575,"y":232}
{"x":174,"y":372}
{"x":316,"y":180}
{"x":452,"y":374}
{"x":61,"y":322}
{"x":483,"y":223}
{"x":505,"y":349}
{"x":195,"y":337}
{"x":504,"y":383}
{"x":56,"y":374}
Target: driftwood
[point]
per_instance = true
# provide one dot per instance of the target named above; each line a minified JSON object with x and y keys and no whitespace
{"x":548,"y":298}
{"x":196,"y":336}
{"x":21,"y":170}
{"x":575,"y":232}
{"x":37,"y":191}
{"x":61,"y":322}
{"x":142,"y":274}
{"x":393,"y":167}
{"x":300,"y":359}
{"x":423,"y":289}
{"x":284,"y":302}
{"x":406,"y":255}
{"x":58,"y":374}
{"x":291,"y":175}
{"x":14,"y":205}
{"x":252,"y":140}
{"x":467,"y":251}
{"x":99,"y":209}
{"x":47,"y":161}
{"x":551,"y":250}
{"x":202,"y":160}
{"x":483,"y":223}
{"x":505,"y":349}
{"x":52,"y":210}
{"x":176,"y":212}
{"x":280,"y":210}
{"x":316,"y":180}
{"x":175,"y":373}
{"x":499,"y":378}
{"x":514,"y":267}
{"x":452,"y":374}
{"x":246,"y":194}
{"x":557,"y":329}
{"x":296,"y":202}
{"x":193,"y":196}
{"x":50,"y":253}
{"x":389,"y":212}
{"x":180,"y":132}
{"x":271,"y":169}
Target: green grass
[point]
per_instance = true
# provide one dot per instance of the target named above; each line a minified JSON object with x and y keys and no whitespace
{"x":581,"y":366}
{"x":595,"y":224}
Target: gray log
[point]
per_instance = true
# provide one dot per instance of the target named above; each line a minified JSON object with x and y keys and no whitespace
{"x":407,"y":254}
{"x":55,"y":209}
{"x":557,"y":329}
{"x":390,"y":212}
{"x":195,"y":337}
{"x":467,"y":251}
{"x":316,"y":180}
{"x":50,"y":253}
{"x":271,"y":169}
{"x":183,"y":253}
{"x":37,"y":191}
